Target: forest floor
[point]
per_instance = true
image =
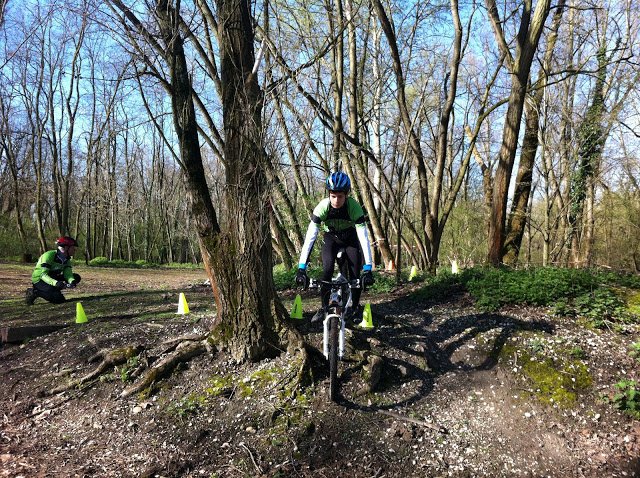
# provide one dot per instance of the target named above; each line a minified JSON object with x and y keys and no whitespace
{"x":462,"y":393}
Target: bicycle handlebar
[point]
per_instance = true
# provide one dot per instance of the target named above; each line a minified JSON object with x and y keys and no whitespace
{"x":354,"y":284}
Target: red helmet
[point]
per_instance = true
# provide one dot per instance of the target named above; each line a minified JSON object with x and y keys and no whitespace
{"x":66,"y":241}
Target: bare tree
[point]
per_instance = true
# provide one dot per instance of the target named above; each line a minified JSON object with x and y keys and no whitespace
{"x":11,"y":145}
{"x":519,"y":65}
{"x":238,"y":253}
{"x":524,"y":180}
{"x":3,"y":6}
{"x":434,"y":207}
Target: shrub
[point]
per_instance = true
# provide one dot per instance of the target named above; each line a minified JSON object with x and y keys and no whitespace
{"x":383,"y":283}
{"x":627,"y":397}
{"x":99,"y":261}
{"x":542,"y":286}
{"x":601,"y":306}
{"x":283,"y":278}
{"x":570,"y":292}
{"x":441,"y":286}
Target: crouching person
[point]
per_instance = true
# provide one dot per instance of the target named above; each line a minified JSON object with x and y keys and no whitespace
{"x":53,"y":273}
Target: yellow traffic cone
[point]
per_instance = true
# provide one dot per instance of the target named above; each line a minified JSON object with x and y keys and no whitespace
{"x":413,"y":274}
{"x":454,"y":267}
{"x":367,"y":318}
{"x":296,"y":310}
{"x":81,"y":317}
{"x":183,"y":307}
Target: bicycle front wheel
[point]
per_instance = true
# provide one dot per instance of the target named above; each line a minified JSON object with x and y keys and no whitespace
{"x":334,"y":324}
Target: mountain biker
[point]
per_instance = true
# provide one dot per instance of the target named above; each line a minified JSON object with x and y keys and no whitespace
{"x":53,"y":273}
{"x":343,"y":222}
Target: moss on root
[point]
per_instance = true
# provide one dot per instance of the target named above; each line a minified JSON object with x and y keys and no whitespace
{"x":633,"y":302}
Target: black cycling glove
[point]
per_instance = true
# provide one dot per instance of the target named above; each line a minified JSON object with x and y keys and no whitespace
{"x":301,"y":278}
{"x":367,"y":278}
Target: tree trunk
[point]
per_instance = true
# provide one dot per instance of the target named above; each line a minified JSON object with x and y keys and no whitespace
{"x":503,"y":171}
{"x":11,"y":151}
{"x":413,"y":139}
{"x":436,"y":222}
{"x":528,"y":37}
{"x":519,"y":208}
{"x":360,"y":160}
{"x":589,"y":225}
{"x":591,"y":139}
{"x":238,"y":259}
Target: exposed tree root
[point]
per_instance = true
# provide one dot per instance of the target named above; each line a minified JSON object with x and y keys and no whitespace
{"x":183,"y":352}
{"x":173,"y":343}
{"x":110,"y":359}
{"x":306,"y":361}
{"x":179,"y":350}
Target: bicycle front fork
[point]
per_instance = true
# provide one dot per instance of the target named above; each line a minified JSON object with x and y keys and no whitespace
{"x":325,"y":341}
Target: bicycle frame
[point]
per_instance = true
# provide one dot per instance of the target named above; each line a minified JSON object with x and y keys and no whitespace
{"x":340,"y":289}
{"x":340,"y":301}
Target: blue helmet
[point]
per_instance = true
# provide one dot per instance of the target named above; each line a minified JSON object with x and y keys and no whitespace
{"x":339,"y":182}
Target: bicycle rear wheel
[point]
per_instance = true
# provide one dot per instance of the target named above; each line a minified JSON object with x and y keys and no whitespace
{"x":333,"y":357}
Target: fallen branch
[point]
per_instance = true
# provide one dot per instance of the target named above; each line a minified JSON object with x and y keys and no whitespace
{"x":438,"y":428}
{"x":19,"y":334}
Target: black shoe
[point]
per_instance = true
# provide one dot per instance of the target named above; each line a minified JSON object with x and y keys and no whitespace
{"x":30,"y":296}
{"x":354,"y":314}
{"x":318,"y":316}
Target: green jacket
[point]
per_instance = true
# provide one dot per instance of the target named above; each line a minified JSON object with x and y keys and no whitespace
{"x":52,"y":264}
{"x":331,"y":219}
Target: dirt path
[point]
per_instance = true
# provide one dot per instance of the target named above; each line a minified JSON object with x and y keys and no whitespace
{"x":514,"y":394}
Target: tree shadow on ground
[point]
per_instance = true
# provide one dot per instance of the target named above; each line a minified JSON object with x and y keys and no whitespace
{"x":418,"y":348}
{"x":414,"y":349}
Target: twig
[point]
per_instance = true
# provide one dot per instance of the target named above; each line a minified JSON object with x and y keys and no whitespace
{"x":438,"y":428}
{"x":252,"y":459}
{"x":377,"y":473}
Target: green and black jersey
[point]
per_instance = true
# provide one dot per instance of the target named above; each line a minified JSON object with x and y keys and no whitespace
{"x":333,"y":220}
{"x":53,"y":264}
{"x":336,"y":220}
